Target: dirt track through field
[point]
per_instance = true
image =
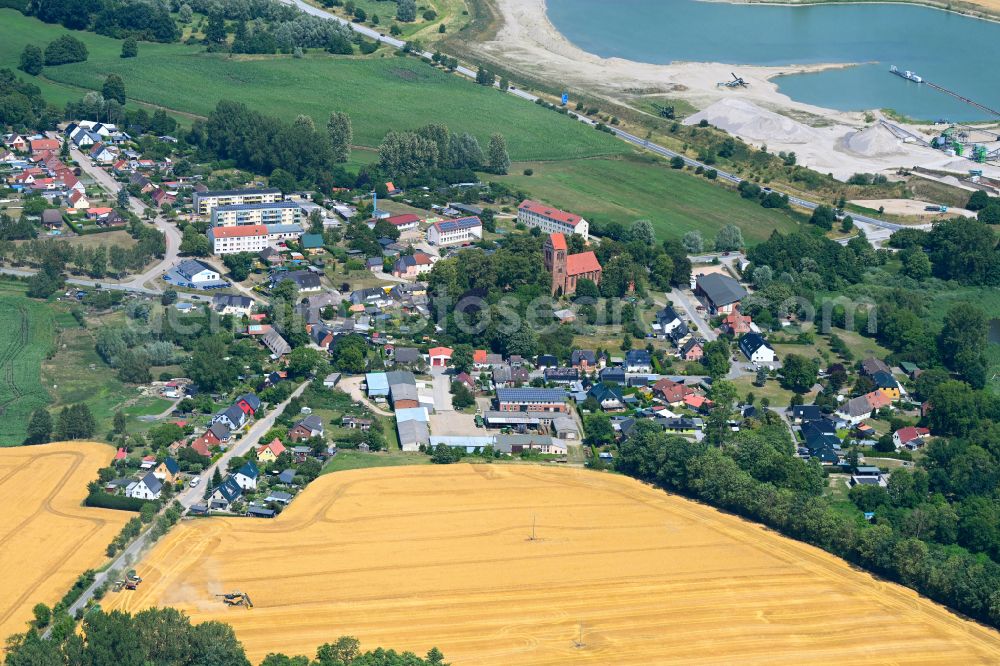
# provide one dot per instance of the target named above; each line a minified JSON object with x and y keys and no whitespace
{"x":413,"y":557}
{"x":47,"y":538}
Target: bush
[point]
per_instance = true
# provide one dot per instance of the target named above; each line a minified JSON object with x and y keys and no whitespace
{"x":65,"y":50}
{"x":103,"y":500}
{"x":529,"y":172}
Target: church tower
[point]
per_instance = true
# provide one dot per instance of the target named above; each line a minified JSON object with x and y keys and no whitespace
{"x":555,"y":262}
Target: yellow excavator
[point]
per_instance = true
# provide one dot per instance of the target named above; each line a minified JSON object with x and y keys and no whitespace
{"x":236,"y":598}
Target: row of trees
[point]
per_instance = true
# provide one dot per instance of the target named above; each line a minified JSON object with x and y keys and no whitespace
{"x":22,"y":106}
{"x":167,"y":636}
{"x":433,"y":147}
{"x":73,"y":422}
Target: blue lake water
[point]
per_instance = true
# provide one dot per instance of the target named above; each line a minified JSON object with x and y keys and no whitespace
{"x":957,"y":52}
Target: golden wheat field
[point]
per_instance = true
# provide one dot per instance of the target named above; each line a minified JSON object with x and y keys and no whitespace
{"x":47,"y":538}
{"x":412,"y":557}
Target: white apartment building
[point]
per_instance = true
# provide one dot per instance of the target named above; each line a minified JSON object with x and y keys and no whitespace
{"x":279,"y":212}
{"x":452,"y":232}
{"x":206,"y":202}
{"x":551,"y":220}
{"x":230,"y":240}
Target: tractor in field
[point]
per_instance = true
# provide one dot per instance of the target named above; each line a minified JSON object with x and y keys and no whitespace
{"x":129,"y":582}
{"x":236,"y":598}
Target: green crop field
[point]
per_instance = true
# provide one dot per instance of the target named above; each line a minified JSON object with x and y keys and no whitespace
{"x":384,"y":92}
{"x":381,"y":92}
{"x":25,"y":339}
{"x":628,"y":189}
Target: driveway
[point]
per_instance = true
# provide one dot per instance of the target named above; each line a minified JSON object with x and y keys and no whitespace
{"x":442,"y":393}
{"x":352,"y":386}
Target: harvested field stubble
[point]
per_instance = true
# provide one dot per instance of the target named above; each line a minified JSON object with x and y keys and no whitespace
{"x":47,"y":538}
{"x":413,"y":557}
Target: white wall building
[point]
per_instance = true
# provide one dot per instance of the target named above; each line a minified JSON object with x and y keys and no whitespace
{"x":454,"y":232}
{"x":278,"y":212}
{"x":206,"y":202}
{"x":230,"y":240}
{"x":551,"y":220}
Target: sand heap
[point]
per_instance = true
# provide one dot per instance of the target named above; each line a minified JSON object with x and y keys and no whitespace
{"x":874,"y":141}
{"x":753,"y":123}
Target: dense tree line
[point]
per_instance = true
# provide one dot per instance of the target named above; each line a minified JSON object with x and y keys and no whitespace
{"x":263,"y":143}
{"x":961,"y":249}
{"x":739,"y":479}
{"x":167,"y":636}
{"x":433,"y":150}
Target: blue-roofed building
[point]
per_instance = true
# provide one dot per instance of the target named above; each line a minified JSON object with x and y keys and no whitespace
{"x":463,"y":231}
{"x":228,"y":492}
{"x":247,"y":476}
{"x":531,"y":400}
{"x":638,"y":361}
{"x":378,"y":384}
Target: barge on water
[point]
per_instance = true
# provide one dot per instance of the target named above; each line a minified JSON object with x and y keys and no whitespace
{"x":908,"y":75}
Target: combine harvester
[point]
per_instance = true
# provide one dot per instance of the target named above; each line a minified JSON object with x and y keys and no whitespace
{"x":130,"y":582}
{"x":236,"y":598}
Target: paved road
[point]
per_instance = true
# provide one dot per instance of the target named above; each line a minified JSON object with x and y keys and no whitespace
{"x":170,"y":230}
{"x":875,"y":229}
{"x":188,"y":498}
{"x":690,"y":305}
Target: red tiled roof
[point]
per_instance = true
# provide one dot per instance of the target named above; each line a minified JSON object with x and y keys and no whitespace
{"x":120,"y":454}
{"x":878,"y":399}
{"x":440,"y":351}
{"x":558,"y":241}
{"x":549,"y":212}
{"x":45,"y":144}
{"x":401,"y":220}
{"x":240,"y":231}
{"x":479,"y":356}
{"x":277,"y":448}
{"x":200,"y":446}
{"x":910,"y":433}
{"x":584,"y":262}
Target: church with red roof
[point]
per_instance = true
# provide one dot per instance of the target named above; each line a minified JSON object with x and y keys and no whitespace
{"x":568,"y":269}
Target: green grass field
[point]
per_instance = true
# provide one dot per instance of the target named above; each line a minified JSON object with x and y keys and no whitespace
{"x":632,"y":188}
{"x":25,"y":339}
{"x":347,"y":459}
{"x":384,"y":92}
{"x":381,"y":93}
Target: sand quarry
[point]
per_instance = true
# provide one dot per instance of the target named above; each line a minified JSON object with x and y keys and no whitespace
{"x":413,"y":557}
{"x":47,"y":538}
{"x":829,"y":141}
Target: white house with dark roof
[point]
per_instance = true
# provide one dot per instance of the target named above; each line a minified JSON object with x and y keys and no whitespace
{"x":146,"y":488}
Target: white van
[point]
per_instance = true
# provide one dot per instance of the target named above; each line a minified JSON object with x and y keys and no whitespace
{"x":194,"y":482}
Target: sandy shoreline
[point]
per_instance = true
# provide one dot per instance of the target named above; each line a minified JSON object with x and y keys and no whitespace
{"x":528,"y":43}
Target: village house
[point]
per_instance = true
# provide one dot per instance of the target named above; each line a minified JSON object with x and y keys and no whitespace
{"x":670,"y":392}
{"x":225,"y":494}
{"x":910,"y":438}
{"x":756,"y":348}
{"x":309,"y":427}
{"x":277,"y":345}
{"x":638,"y":361}
{"x":356,"y":423}
{"x":692,"y":350}
{"x":737,"y":324}
{"x":268,"y":453}
{"x":246,"y":477}
{"x":608,"y":396}
{"x":147,"y":488}
{"x":404,"y":222}
{"x":167,"y":471}
{"x":411,"y":266}
{"x":230,"y":304}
